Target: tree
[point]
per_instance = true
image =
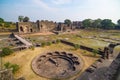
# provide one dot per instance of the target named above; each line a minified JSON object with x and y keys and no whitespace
{"x":107,"y":24}
{"x":97,"y":23}
{"x":118,"y":22}
{"x":6,"y":51}
{"x":1,"y":20}
{"x":87,"y":23}
{"x":26,"y":19}
{"x":118,"y":25}
{"x":20,"y":18}
{"x":67,"y":21}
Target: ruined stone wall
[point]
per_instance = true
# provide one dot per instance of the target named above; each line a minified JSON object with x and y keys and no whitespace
{"x":46,"y":25}
{"x":27,"y":27}
{"x":39,"y":26}
{"x":77,"y":24}
{"x":6,"y":74}
{"x":64,"y":27}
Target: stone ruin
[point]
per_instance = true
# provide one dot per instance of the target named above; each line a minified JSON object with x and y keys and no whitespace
{"x":46,"y":26}
{"x":57,"y":65}
{"x":38,"y":26}
{"x":6,"y":74}
{"x":109,"y":50}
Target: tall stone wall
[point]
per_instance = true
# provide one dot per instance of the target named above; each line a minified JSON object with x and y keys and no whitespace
{"x":39,"y":26}
{"x":26,"y":27}
{"x":46,"y":25}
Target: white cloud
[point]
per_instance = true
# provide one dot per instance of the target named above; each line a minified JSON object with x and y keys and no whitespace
{"x":44,"y":5}
{"x":59,"y":2}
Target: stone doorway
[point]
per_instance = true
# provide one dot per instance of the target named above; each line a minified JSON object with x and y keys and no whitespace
{"x":21,"y":29}
{"x":31,"y":30}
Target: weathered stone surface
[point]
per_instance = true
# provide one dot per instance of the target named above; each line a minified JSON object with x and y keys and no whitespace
{"x":6,"y":74}
{"x":57,"y":65}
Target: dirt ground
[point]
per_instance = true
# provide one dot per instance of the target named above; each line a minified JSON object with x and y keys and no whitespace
{"x":25,"y":57}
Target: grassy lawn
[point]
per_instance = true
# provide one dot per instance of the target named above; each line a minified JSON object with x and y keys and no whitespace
{"x":25,"y":57}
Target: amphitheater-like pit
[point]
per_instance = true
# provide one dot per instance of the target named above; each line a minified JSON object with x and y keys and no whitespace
{"x":57,"y":65}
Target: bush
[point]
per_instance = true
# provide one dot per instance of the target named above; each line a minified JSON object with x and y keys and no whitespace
{"x":6,"y":51}
{"x":14,"y":67}
{"x":49,"y":43}
{"x":7,"y":65}
{"x":76,"y":46}
{"x":43,"y":44}
{"x":57,"y":41}
{"x":95,"y":52}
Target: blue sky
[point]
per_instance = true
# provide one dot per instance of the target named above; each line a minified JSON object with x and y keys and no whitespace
{"x":59,"y":10}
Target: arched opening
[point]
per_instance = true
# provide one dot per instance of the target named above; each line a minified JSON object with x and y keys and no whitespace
{"x":41,"y":26}
{"x":21,"y":29}
{"x":31,"y":30}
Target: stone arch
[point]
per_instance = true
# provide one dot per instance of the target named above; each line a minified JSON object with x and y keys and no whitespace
{"x":31,"y":30}
{"x":21,"y":29}
{"x":41,"y":26}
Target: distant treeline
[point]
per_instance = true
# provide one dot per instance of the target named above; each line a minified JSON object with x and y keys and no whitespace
{"x":6,"y":25}
{"x":87,"y":23}
{"x":100,"y":24}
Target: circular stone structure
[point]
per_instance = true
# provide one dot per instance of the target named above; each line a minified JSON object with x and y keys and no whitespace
{"x":56,"y":65}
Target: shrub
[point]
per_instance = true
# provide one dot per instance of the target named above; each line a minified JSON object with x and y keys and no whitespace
{"x":76,"y":46}
{"x":49,"y":43}
{"x":7,"y":65}
{"x":43,"y":44}
{"x":95,"y":52}
{"x":6,"y":51}
{"x":57,"y":41}
{"x":14,"y":67}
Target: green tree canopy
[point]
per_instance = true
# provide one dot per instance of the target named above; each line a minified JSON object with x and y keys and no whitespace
{"x":87,"y":23}
{"x":118,"y":22}
{"x":107,"y":24}
{"x":97,"y":23}
{"x":1,"y":20}
{"x":20,"y":18}
{"x":26,"y":19}
{"x":67,"y":21}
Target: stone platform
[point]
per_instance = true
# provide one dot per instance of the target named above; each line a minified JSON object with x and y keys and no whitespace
{"x":57,"y":65}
